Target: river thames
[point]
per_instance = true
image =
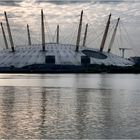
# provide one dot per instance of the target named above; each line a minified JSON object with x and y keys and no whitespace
{"x":69,"y":106}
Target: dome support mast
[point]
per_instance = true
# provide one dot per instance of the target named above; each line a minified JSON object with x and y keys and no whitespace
{"x":43,"y":31}
{"x":79,"y":32}
{"x":57,"y":39}
{"x":113,"y":36}
{"x":29,"y":37}
{"x":105,"y":34}
{"x":4,"y":36}
{"x":85,"y":36}
{"x":9,"y":32}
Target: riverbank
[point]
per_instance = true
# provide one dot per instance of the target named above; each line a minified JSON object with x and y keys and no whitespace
{"x":41,"y":68}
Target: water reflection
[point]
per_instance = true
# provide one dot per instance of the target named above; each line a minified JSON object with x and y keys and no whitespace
{"x":43,"y":113}
{"x":81,"y":113}
{"x":8,"y":109}
{"x":29,"y":104}
{"x":44,"y":103}
{"x":78,"y":111}
{"x":106,"y":116}
{"x":108,"y":111}
{"x":50,"y":113}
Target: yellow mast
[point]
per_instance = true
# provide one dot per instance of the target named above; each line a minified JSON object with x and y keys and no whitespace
{"x":113,"y":36}
{"x":79,"y":32}
{"x":43,"y":30}
{"x":4,"y":36}
{"x":105,"y":34}
{"x":29,"y":37}
{"x":9,"y":32}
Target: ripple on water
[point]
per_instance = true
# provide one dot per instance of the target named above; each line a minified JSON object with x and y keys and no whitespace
{"x":41,"y":112}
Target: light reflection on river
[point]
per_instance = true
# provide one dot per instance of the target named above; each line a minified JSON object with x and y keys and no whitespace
{"x":69,"y":106}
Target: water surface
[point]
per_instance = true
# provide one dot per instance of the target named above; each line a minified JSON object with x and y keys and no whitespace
{"x":72,"y":106}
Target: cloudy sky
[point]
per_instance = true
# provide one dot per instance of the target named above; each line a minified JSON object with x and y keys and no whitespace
{"x":66,"y":13}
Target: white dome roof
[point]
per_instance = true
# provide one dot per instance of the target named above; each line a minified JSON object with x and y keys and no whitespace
{"x":64,"y":55}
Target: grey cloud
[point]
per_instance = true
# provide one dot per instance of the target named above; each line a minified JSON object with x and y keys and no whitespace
{"x":9,"y":2}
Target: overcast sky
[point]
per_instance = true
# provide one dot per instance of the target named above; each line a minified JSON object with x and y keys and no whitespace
{"x":67,"y":15}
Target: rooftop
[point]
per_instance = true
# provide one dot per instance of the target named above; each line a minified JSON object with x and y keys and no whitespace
{"x":64,"y":54}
